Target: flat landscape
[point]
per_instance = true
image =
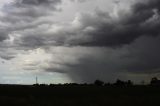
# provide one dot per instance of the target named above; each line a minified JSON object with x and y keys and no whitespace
{"x":78,"y":95}
{"x":71,"y":52}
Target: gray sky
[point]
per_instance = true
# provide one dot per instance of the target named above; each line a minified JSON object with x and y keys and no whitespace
{"x":80,"y":41}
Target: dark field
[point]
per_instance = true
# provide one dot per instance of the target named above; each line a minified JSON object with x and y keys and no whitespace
{"x":79,"y":95}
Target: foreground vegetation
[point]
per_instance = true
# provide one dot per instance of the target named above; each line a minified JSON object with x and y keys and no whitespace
{"x":123,"y":93}
{"x":79,"y":95}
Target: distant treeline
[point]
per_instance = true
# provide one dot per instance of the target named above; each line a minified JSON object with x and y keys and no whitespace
{"x":154,"y":82}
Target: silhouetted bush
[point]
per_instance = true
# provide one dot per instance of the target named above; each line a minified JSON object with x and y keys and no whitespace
{"x":123,"y":83}
{"x":155,"y":81}
{"x":107,"y":84}
{"x":129,"y":83}
{"x":99,"y":83}
{"x":52,"y":85}
{"x":119,"y":83}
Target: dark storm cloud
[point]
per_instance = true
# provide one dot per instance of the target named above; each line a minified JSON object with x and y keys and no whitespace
{"x":55,"y":70}
{"x":138,"y":32}
{"x":22,"y":15}
{"x":100,"y":29}
{"x":3,"y":35}
{"x":29,"y":9}
{"x":40,"y":2}
{"x":90,"y":39}
{"x":31,"y":41}
{"x":25,"y":12}
{"x":145,"y":52}
{"x":140,"y":58}
{"x":97,"y":29}
{"x":7,"y":54}
{"x":6,"y":57}
{"x":81,"y":1}
{"x":140,"y":21}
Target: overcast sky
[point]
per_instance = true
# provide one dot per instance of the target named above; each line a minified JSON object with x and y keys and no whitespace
{"x":63,"y":41}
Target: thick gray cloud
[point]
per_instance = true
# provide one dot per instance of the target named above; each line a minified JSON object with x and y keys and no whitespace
{"x":40,"y":2}
{"x":7,"y":53}
{"x":95,"y":45}
{"x":98,"y":29}
{"x":143,"y":19}
{"x":24,"y":14}
{"x":6,"y":56}
{"x":85,"y":64}
{"x":81,"y":1}
{"x":3,"y":35}
{"x":31,"y":8}
{"x":21,"y":15}
{"x":101,"y":29}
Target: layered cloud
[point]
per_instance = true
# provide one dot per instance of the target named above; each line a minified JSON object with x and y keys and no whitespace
{"x":99,"y":44}
{"x":88,"y":29}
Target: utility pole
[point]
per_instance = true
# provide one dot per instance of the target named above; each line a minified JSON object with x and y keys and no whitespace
{"x":36,"y":80}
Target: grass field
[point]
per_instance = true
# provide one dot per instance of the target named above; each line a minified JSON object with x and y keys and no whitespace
{"x":77,"y":95}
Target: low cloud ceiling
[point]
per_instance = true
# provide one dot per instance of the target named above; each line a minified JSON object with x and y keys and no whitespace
{"x":119,"y":40}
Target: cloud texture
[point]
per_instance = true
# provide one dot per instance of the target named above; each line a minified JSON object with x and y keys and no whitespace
{"x":95,"y":45}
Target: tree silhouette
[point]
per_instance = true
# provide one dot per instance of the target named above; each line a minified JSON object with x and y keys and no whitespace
{"x":119,"y":83}
{"x":99,"y":83}
{"x":155,"y":81}
{"x":129,"y":83}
